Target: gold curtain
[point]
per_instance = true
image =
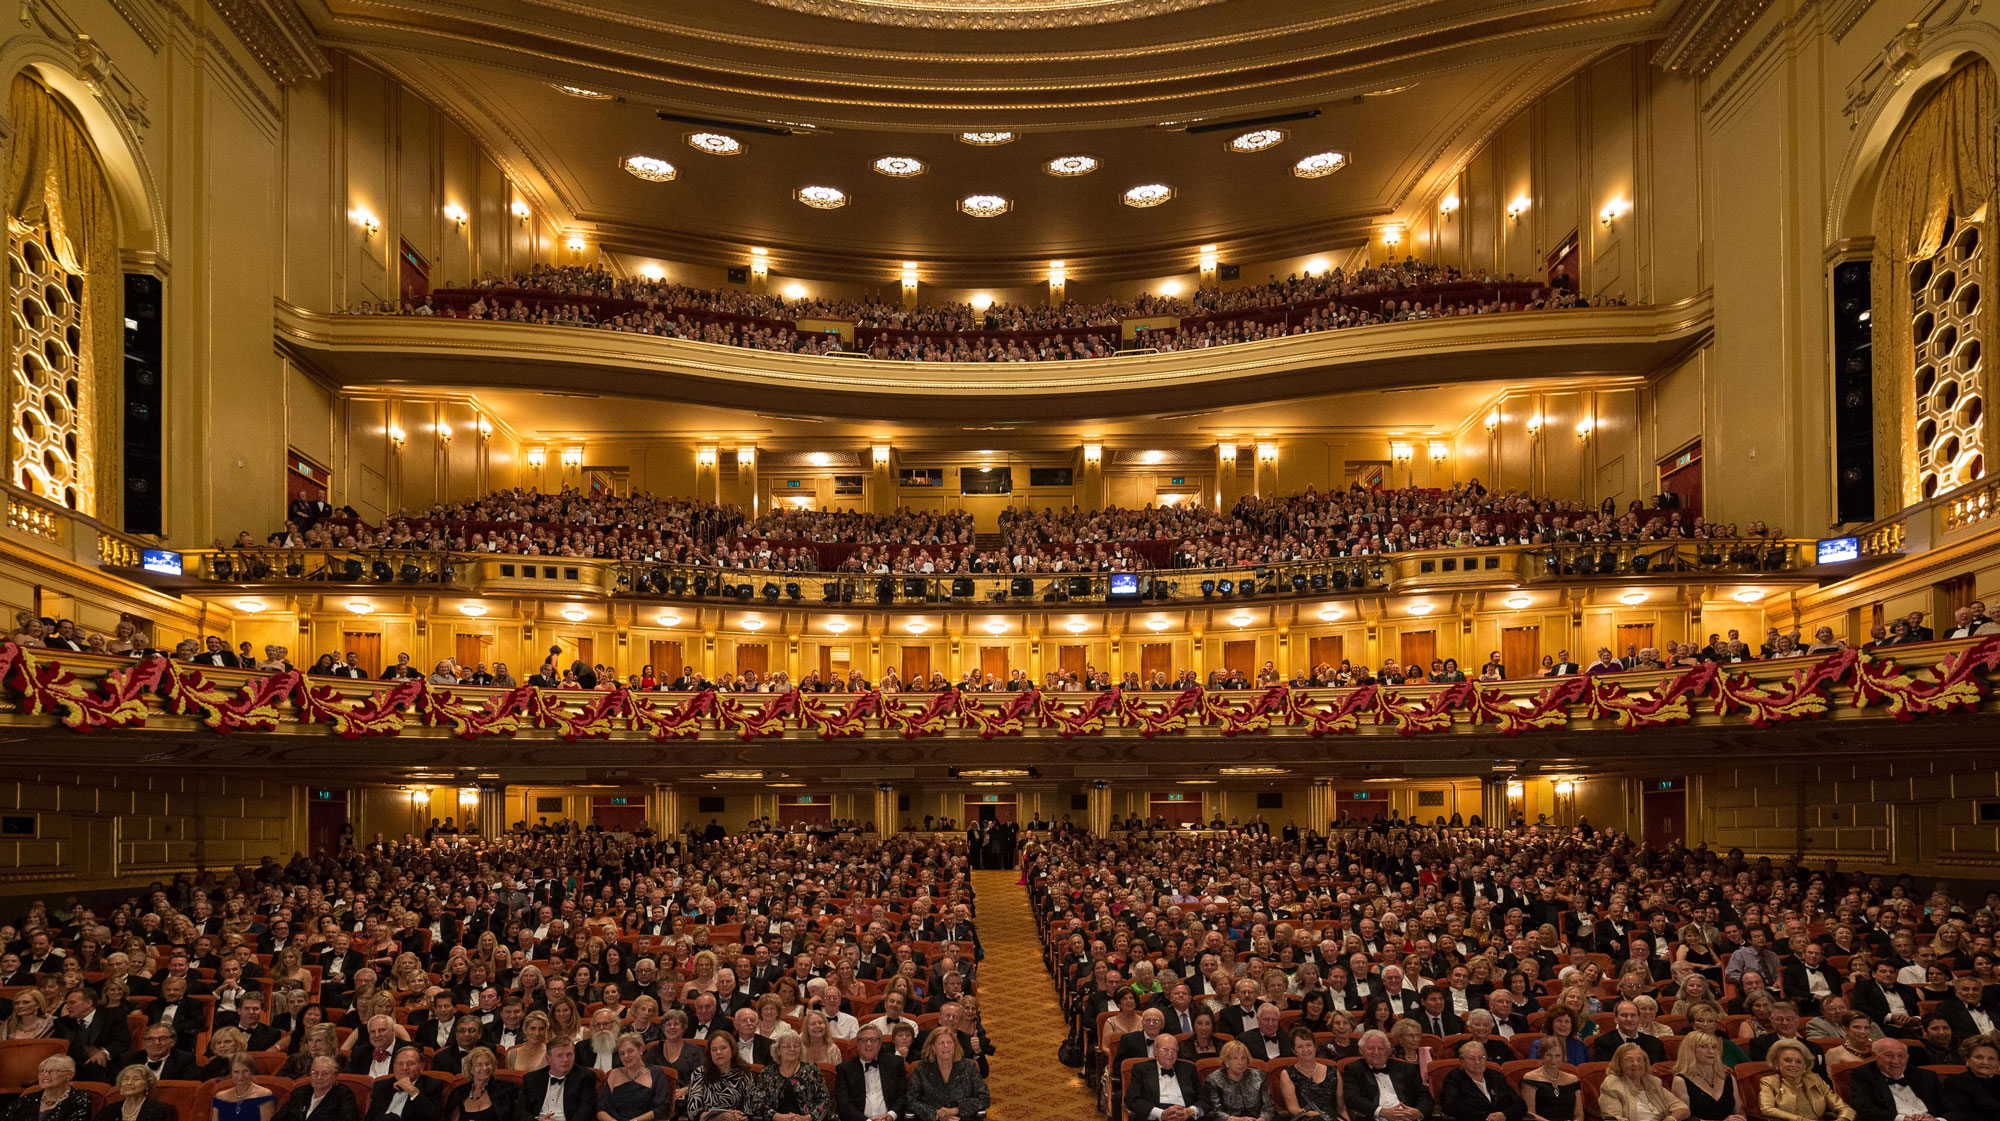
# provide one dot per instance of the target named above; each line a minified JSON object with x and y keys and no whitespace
{"x":1945,"y":162}
{"x":56,"y":182}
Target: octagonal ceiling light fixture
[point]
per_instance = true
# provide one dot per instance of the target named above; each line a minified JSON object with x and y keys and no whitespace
{"x":900,"y":167}
{"x":985,"y":206}
{"x":1069,"y":167}
{"x":575,"y":614}
{"x":821,"y":198}
{"x":1331,"y":614}
{"x":650,"y":168}
{"x":991,"y":139}
{"x":1519,"y":602}
{"x":1319,"y":165}
{"x":1157,"y":625}
{"x":715,"y":143}
{"x":579,"y":91}
{"x":1257,"y":140}
{"x":1148,"y":194}
{"x":996,"y":626}
{"x":916,"y":626}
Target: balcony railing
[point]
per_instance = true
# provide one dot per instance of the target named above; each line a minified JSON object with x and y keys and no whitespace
{"x":504,"y":574}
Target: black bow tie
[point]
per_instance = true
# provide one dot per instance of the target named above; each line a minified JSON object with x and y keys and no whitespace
{"x":1899,"y":1081}
{"x":866,"y":1065}
{"x":555,"y":1080}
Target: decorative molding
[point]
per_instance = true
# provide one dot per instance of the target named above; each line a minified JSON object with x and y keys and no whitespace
{"x":1890,"y":68}
{"x":988,"y":15}
{"x":208,"y":38}
{"x":1846,"y":16}
{"x":1722,"y":90}
{"x":277,"y":36}
{"x":140,"y":19}
{"x":1703,"y":31}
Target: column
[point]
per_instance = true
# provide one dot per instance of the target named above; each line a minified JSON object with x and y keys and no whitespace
{"x":1493,"y":801}
{"x":663,"y":809}
{"x":1319,"y":805}
{"x":888,"y":819}
{"x":881,"y":479}
{"x":1090,"y":484}
{"x":1100,"y":809}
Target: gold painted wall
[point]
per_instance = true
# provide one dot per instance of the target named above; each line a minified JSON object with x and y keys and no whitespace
{"x":143,"y":826}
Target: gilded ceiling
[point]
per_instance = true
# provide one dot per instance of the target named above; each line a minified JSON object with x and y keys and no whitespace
{"x":987,"y":15}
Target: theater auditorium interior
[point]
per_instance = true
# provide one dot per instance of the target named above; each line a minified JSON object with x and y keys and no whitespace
{"x":1030,"y":560}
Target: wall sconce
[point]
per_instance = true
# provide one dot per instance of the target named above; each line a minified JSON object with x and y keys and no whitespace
{"x":1448,"y":206}
{"x":1401,"y":452}
{"x":468,"y":797}
{"x":1565,"y":788}
{"x":521,"y":212}
{"x":1583,"y":428}
{"x":746,"y":456}
{"x":1535,"y":425}
{"x":1226,"y":451}
{"x":396,"y":436}
{"x":457,"y":214}
{"x":444,"y":433}
{"x":1093,"y":453}
{"x":909,"y":274}
{"x":572,"y":457}
{"x":760,"y":264}
{"x":880,"y":452}
{"x":1208,"y":259}
{"x":1267,"y":453}
{"x":537,"y":457}
{"x":1492,"y":419}
{"x":1613,"y":210}
{"x":485,"y":428}
{"x":1058,"y":273}
{"x":1515,"y":790}
{"x":1517,"y":208}
{"x":1439,"y":451}
{"x":704,"y":457}
{"x":365,"y":218}
{"x":575,"y":243}
{"x":1392,"y":234}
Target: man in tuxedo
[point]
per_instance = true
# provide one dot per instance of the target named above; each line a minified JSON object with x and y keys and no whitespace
{"x":558,"y":1091}
{"x":42,"y":956}
{"x":1808,"y":979}
{"x":1165,"y":1089}
{"x":250,"y":1021}
{"x":217,"y":655}
{"x":322,"y":1097}
{"x":1627,"y":1031}
{"x":433,"y":1030}
{"x":1140,"y":1044}
{"x":95,"y":1037}
{"x":706,"y":1018}
{"x":729,"y":1000}
{"x":1383,"y":1088}
{"x":959,"y":928}
{"x":466,"y":1035}
{"x":1266,"y":1041}
{"x":1888,"y":1002}
{"x":1395,"y":994}
{"x":1967,"y":1010}
{"x":160,"y":1056}
{"x":406,"y":1093}
{"x":1890,"y":1089}
{"x":1506,"y":1021}
{"x":374,"y":1053}
{"x":750,"y":1047}
{"x":764,"y":972}
{"x":1242,"y":1015}
{"x":1436,"y":1015}
{"x":339,"y":961}
{"x":176,"y":1010}
{"x":869,"y":1086}
{"x":1564,"y":667}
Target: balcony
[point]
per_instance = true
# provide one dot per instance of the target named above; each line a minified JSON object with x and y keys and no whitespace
{"x":1593,"y":342}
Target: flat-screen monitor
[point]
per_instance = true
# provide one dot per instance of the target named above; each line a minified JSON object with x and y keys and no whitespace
{"x":161,"y":560}
{"x":1839,"y":550}
{"x":1124,"y":583}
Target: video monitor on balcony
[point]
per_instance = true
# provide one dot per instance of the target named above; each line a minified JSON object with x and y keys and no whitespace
{"x":1838,"y":550}
{"x":1124,"y":584}
{"x":164,"y":561}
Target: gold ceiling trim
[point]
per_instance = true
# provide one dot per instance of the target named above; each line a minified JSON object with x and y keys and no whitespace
{"x":988,"y":15}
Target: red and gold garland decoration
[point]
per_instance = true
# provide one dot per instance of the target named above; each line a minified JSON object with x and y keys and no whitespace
{"x":119,"y":699}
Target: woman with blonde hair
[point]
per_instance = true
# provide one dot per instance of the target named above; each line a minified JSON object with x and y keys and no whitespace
{"x":320,"y":1039}
{"x":819,"y":1044}
{"x":1632,"y":1092}
{"x":532,"y":1053}
{"x":1702,"y":1083}
{"x":1235,"y":1089}
{"x":31,"y":1019}
{"x":703,"y":980}
{"x":1794,"y":1092}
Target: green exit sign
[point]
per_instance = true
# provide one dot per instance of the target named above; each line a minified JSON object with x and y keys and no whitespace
{"x":1176,"y":797}
{"x":805,"y":800}
{"x":791,"y":482}
{"x":1177,"y":481}
{"x":989,"y":797}
{"x":323,"y":795}
{"x":621,"y":800}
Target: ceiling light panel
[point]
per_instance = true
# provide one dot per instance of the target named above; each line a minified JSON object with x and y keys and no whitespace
{"x":715,"y":143}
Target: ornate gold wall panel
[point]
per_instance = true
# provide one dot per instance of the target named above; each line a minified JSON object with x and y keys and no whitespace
{"x":45,"y":384}
{"x":1946,"y":345}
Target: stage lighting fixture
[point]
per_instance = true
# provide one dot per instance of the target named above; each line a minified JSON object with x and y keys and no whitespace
{"x":961,"y":588}
{"x":1207,"y":588}
{"x":1298,"y":581}
{"x":743,"y":592}
{"x":1319,"y":581}
{"x":770,"y":590}
{"x":1023,"y":587}
{"x":1226,"y":587}
{"x":678,"y":585}
{"x":885,"y":590}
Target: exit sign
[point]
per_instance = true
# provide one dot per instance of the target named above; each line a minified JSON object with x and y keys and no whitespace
{"x":1667,"y":784}
{"x":323,"y":795}
{"x":791,"y":482}
{"x":1361,"y":795}
{"x":1176,"y":797}
{"x":621,"y":800}
{"x":805,"y":800}
{"x":989,"y":797}
{"x":1177,"y":481}
{"x":1684,"y":459}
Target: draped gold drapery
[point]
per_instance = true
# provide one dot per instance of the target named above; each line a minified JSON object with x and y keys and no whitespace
{"x":56,"y":185}
{"x":1944,"y":165}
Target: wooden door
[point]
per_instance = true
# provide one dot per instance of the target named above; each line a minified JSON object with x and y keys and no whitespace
{"x":470,"y":649}
{"x":1418,"y":649}
{"x":576,"y":648}
{"x":669,"y":657}
{"x":1521,"y":650}
{"x":618,"y":813}
{"x":1665,"y":817}
{"x":993,"y":663}
{"x":1156,"y":656}
{"x":805,"y":809}
{"x":1241,"y":654}
{"x":1639,"y":636}
{"x":1002,"y":809}
{"x":916,"y":664}
{"x":1178,"y":809}
{"x":324,"y":819}
{"x":1070,"y":660}
{"x":753,"y":656}
{"x":367,"y":648}
{"x":825,"y":663}
{"x":1326,"y":650}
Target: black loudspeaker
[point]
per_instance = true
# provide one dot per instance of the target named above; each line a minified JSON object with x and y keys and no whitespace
{"x":1023,"y":587}
{"x":902,"y":803}
{"x":1079,"y":587}
{"x":708,"y":805}
{"x":1270,"y":799}
{"x":1079,"y":801}
{"x":885,"y":590}
{"x":1853,"y":393}
{"x":143,"y":395}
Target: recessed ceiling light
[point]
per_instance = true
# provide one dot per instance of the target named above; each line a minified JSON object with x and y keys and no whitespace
{"x":361,"y":608}
{"x":1069,"y":167}
{"x":575,"y":615}
{"x":669,"y":620}
{"x":1331,"y":614}
{"x":1148,"y":194}
{"x":916,"y":626}
{"x":579,"y":91}
{"x":1633,"y":598}
{"x":753,"y":625}
{"x":1258,"y":140}
{"x":1421,"y":609}
{"x":474,"y":610}
{"x":1077,"y":626}
{"x":987,"y":139}
{"x":985,"y":206}
{"x":1240,"y":620}
{"x":837,"y":626}
{"x":900,"y":167}
{"x":821,"y":198}
{"x":1157,"y":625}
{"x":249,"y":606}
{"x":651,"y":168}
{"x":996,"y":626}
{"x":1519,"y":602}
{"x":1748,"y":595}
{"x":818,"y":459}
{"x":715,"y":143}
{"x":1315,"y":166}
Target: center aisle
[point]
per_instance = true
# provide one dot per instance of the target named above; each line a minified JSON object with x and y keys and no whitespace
{"x":1018,"y":1004}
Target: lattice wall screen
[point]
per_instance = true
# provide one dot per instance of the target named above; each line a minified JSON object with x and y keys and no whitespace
{"x":45,"y":390}
{"x":1945,"y":333}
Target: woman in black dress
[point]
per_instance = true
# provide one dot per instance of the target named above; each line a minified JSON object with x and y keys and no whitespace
{"x":1549,"y":1090}
{"x":135,"y":1102}
{"x":943,"y":1078}
{"x":634,"y":1091}
{"x":481,"y":1097}
{"x":1975,"y":1092}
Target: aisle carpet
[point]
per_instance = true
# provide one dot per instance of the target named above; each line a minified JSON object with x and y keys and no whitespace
{"x":1018,"y":1004}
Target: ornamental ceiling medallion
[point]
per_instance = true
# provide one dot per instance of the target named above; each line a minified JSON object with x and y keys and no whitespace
{"x":988,"y":15}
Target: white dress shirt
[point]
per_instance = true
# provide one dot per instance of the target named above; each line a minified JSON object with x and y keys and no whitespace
{"x":873,"y":1104}
{"x":1908,"y":1104}
{"x":1170,"y":1093}
{"x":552,"y":1102}
{"x":1385,"y":1093}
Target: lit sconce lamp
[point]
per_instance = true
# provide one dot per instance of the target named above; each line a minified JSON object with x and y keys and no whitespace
{"x":1439,"y":451}
{"x":457,"y":214}
{"x":1392,"y":234}
{"x":1492,"y":419}
{"x":1093,"y":453}
{"x":521,"y":212}
{"x":1565,"y":788}
{"x":537,"y":457}
{"x":1613,"y":210}
{"x":485,"y":428}
{"x":1208,"y":262}
{"x":1267,"y":453}
{"x":1517,"y":208}
{"x":365,"y":218}
{"x":575,"y":243}
{"x":1535,"y":424}
{"x":1226,"y":451}
{"x":572,"y":457}
{"x":909,"y":277}
{"x":704,"y":457}
{"x":468,"y":797}
{"x":1058,"y":281}
{"x":1401,"y":452}
{"x":1584,"y":427}
{"x":1448,"y":206}
{"x":746,"y":456}
{"x":396,"y":435}
{"x":652,"y":271}
{"x":1515,"y":790}
{"x":881,"y":454}
{"x":760,"y":264}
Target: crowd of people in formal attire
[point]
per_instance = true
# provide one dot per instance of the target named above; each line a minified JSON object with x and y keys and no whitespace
{"x":550,"y":974}
{"x":1404,"y":970}
{"x":577,"y":296}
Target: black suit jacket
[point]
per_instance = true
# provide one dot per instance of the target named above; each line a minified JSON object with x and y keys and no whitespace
{"x":850,"y":1087}
{"x":1797,"y":984}
{"x":107,"y":1031}
{"x":1969,"y":1096}
{"x":1142,"y":1094}
{"x":1868,"y":998}
{"x":428,"y":1105}
{"x":1263,"y":1047}
{"x":1452,"y":1024}
{"x":1868,"y":1092}
{"x":579,"y":1095}
{"x":1358,"y":1089}
{"x":362,"y":1055}
{"x":1960,"y":1017}
{"x":179,"y":1064}
{"x":338,"y":1105}
{"x":1460,"y":1099}
{"x":1131,"y":1045}
{"x":1604,"y":1045}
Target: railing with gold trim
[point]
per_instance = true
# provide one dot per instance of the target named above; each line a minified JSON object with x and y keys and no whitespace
{"x":50,"y":527}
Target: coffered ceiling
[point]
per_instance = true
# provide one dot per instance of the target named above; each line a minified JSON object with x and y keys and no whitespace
{"x":817,"y":90}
